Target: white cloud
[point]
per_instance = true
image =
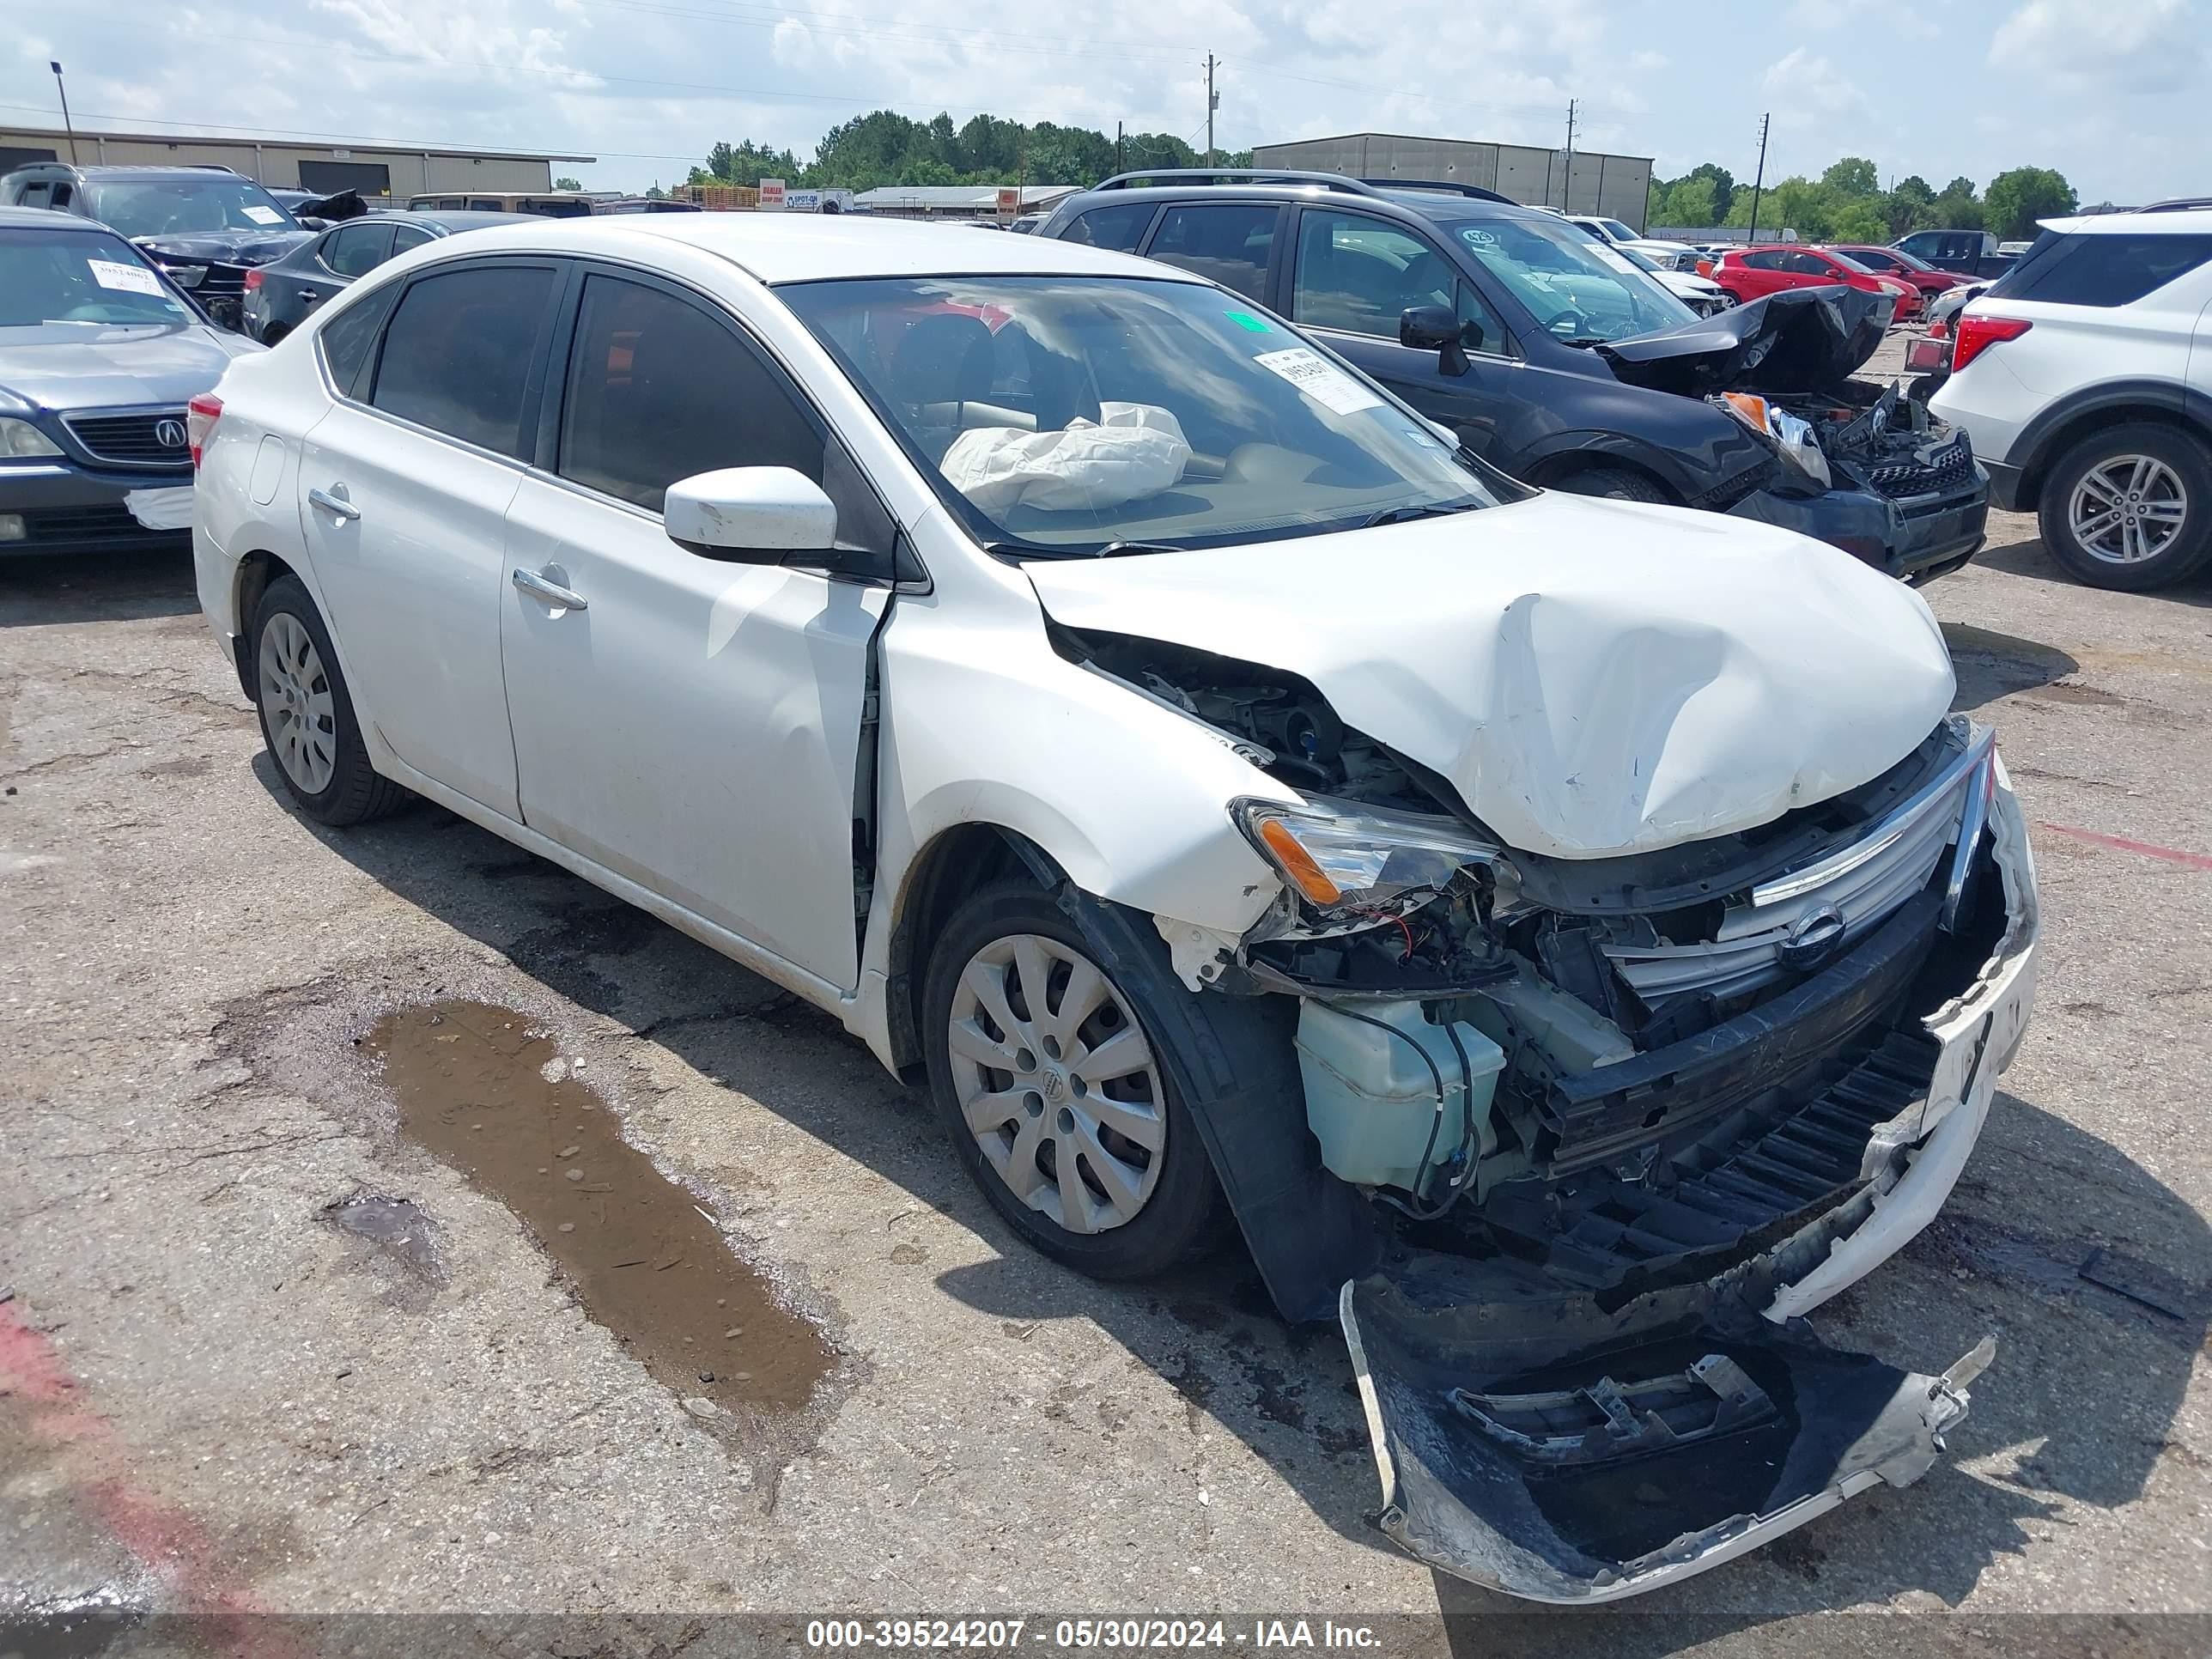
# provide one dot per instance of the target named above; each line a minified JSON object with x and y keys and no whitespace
{"x":2143,"y":46}
{"x":1804,"y":89}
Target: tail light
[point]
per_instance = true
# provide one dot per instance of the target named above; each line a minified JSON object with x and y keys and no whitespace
{"x":200,"y":416}
{"x":252,"y":278}
{"x":1977,"y":334}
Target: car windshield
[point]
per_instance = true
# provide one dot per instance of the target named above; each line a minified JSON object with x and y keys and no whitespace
{"x":1850,"y":263}
{"x":1075,"y":415}
{"x":1581,"y":291}
{"x":1617,"y":231}
{"x":186,"y":207}
{"x":79,"y":276}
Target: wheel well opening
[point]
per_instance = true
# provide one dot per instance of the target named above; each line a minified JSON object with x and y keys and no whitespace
{"x":959,"y":862}
{"x":2078,"y":427}
{"x":255,"y":572}
{"x":1560,"y":468}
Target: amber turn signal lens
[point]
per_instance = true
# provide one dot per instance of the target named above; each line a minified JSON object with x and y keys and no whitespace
{"x":1298,"y":864}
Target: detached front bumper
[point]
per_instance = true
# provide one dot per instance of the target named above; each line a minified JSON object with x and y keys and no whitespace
{"x":1566,"y":1446}
{"x":1915,"y":538}
{"x":68,"y":508}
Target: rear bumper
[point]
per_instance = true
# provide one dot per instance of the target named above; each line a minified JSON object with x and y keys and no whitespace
{"x":69,"y":508}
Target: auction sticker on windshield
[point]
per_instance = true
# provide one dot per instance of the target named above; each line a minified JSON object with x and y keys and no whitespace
{"x":1319,"y":379}
{"x":1618,"y":261}
{"x":127,"y":279}
{"x":264,"y":216}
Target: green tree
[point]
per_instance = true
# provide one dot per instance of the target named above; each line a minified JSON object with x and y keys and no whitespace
{"x":1690,"y":204}
{"x":1853,"y":176}
{"x":1902,"y":207}
{"x":1857,"y":221}
{"x":1956,"y":207}
{"x":2018,"y":199}
{"x":1723,"y":183}
{"x":564,"y":182}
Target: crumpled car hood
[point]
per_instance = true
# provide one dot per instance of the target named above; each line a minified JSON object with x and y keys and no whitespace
{"x":1594,"y":677}
{"x":1804,"y":339}
{"x":233,"y":247}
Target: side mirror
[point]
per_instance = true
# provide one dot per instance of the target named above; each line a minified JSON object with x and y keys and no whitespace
{"x":309,"y":221}
{"x":1434,"y":328}
{"x":750,"y":514}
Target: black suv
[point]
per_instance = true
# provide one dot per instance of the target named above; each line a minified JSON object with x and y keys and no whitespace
{"x":1552,"y":356}
{"x":204,"y":226}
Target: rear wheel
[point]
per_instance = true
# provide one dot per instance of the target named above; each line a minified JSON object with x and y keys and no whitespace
{"x":307,"y":715}
{"x":1617,"y":483}
{"x":2130,"y":508}
{"x":1732,"y":296}
{"x":273,"y":332}
{"x":1044,"y":1071}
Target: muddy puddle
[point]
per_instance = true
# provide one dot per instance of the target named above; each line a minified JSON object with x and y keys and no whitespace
{"x":484,"y":1090}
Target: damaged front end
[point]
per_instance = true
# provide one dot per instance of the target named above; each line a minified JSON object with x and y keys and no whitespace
{"x":1618,"y":1122}
{"x":1863,"y":468}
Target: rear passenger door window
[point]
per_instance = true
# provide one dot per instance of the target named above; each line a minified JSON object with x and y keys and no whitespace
{"x":1360,"y":274}
{"x":458,"y":354}
{"x":660,"y":388}
{"x":1119,"y":227}
{"x":1227,"y":242}
{"x":356,"y":250}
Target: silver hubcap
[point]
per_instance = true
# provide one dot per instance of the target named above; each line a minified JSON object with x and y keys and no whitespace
{"x":2128,"y":509}
{"x":295,"y":700}
{"x":1057,"y":1083}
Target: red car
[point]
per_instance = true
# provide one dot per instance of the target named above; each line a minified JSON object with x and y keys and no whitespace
{"x":1930,"y":280}
{"x":1748,"y":274}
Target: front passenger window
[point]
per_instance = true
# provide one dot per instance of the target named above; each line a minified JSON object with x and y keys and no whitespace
{"x":659,"y":390}
{"x":457,"y":356}
{"x":1360,"y":274}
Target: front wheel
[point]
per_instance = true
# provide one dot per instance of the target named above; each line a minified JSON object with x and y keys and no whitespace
{"x":1045,"y":1074}
{"x":1617,"y":483}
{"x":2131,"y":507}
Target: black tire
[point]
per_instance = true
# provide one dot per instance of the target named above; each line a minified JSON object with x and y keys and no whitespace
{"x":2188,"y":461}
{"x":1730,"y":293}
{"x":356,"y":791}
{"x":1617,"y":483}
{"x":273,"y":333}
{"x":1182,"y":1215}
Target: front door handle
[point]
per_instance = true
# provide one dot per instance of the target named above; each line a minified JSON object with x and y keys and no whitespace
{"x":335,"y":504}
{"x":309,"y":296}
{"x":547,"y":585}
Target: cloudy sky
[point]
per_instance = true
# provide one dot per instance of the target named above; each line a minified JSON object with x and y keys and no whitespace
{"x":2109,"y":91}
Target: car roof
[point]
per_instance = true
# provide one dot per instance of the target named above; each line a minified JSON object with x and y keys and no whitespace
{"x":457,"y":219}
{"x":799,"y":247}
{"x":30,"y":218}
{"x":1445,"y":206}
{"x":2178,"y":220}
{"x":119,"y":171}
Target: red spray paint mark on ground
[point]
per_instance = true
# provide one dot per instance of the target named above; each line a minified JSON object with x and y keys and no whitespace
{"x":2122,"y":844}
{"x":168,"y":1541}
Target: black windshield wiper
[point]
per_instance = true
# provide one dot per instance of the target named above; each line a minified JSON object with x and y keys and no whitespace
{"x":1114,"y":548}
{"x":1033,"y":551}
{"x":1425,"y":510}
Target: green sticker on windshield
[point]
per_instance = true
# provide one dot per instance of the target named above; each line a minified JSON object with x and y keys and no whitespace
{"x":1247,"y":320}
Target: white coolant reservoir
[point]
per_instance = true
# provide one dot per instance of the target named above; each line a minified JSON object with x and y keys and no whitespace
{"x":1372,"y":1096}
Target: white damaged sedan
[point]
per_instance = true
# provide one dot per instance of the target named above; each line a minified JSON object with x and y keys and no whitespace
{"x":1573,"y":938}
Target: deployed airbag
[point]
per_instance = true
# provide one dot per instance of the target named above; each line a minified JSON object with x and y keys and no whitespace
{"x":1132,"y":450}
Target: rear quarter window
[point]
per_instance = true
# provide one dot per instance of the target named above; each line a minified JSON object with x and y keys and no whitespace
{"x":2109,"y":269}
{"x":1118,"y":228}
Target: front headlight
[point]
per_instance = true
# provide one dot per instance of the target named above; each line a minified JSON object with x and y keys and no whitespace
{"x":1339,"y":855}
{"x":186,"y":276}
{"x":1793,"y":437}
{"x":21,"y":441}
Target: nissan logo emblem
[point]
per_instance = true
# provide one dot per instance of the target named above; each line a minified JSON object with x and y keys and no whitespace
{"x":169,"y":434}
{"x":1813,"y":938}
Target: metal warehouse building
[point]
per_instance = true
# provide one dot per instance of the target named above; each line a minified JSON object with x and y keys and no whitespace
{"x":373,"y":169}
{"x":1590,"y":181}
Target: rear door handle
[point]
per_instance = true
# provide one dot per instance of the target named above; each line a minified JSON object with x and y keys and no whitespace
{"x":336,"y":505}
{"x":546,"y":584}
{"x":309,"y":296}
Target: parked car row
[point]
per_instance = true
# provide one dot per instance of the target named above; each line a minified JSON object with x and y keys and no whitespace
{"x":1572,"y":938}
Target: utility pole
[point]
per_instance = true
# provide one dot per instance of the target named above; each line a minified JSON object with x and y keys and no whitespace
{"x":1567,"y":184}
{"x":1119,"y":167}
{"x":1759,"y":182}
{"x":1213,"y":103}
{"x":67,"y":124}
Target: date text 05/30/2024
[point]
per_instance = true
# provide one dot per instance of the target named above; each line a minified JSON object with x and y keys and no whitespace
{"x":1083,"y":1634}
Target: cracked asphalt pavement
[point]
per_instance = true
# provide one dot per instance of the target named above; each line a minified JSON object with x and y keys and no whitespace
{"x":213,"y":1395}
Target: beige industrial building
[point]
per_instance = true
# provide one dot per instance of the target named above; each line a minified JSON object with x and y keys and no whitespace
{"x":393,"y":170}
{"x":1589,"y":181}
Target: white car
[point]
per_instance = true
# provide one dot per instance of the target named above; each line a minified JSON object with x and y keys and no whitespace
{"x":1700,"y":294}
{"x":1668,"y":256}
{"x":1225,"y":794}
{"x":2084,"y":375}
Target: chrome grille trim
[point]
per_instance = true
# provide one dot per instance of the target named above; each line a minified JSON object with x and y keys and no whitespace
{"x":126,"y":437}
{"x":1861,"y":884}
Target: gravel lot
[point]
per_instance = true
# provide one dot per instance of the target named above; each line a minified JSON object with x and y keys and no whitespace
{"x":213,"y":1394}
